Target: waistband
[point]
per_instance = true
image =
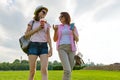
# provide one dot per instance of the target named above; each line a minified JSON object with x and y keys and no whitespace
{"x":39,"y":42}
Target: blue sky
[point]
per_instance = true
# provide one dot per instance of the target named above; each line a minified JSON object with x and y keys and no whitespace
{"x":96,"y":20}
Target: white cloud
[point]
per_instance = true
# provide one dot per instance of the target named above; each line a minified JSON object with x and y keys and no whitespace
{"x":3,"y":34}
{"x":3,"y":3}
{"x":8,"y":54}
{"x":96,"y":20}
{"x":99,"y":40}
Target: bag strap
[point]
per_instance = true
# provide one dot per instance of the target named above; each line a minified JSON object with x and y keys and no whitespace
{"x":32,"y":26}
{"x":77,"y":47}
{"x":32,"y":23}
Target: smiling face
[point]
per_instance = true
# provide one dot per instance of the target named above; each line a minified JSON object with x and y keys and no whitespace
{"x":41,"y":13}
{"x":62,"y":19}
{"x":65,"y":18}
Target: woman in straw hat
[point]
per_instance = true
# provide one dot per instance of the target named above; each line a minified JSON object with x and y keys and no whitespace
{"x":38,"y":31}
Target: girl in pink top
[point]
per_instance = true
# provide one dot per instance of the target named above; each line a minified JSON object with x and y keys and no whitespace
{"x":65,"y":38}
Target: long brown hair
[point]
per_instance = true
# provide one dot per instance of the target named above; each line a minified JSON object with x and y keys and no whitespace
{"x":67,"y":17}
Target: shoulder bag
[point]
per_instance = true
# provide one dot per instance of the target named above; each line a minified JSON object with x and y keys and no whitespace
{"x":24,"y":42}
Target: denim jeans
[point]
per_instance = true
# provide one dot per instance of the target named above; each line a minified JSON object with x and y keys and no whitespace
{"x":38,"y":48}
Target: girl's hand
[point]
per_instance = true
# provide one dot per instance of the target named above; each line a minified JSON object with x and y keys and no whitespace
{"x":50,"y":53}
{"x":55,"y":27}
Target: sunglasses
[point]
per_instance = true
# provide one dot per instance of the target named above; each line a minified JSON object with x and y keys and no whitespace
{"x":61,"y":16}
{"x":44,"y":12}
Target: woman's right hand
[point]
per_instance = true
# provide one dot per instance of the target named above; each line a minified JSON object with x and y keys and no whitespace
{"x":41,"y":26}
{"x":55,"y":27}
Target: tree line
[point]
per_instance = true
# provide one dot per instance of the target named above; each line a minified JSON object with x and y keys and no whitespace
{"x":24,"y":65}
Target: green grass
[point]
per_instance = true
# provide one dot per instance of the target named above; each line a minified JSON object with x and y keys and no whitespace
{"x":57,"y":75}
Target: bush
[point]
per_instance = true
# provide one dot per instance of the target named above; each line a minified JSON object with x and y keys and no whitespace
{"x":57,"y":67}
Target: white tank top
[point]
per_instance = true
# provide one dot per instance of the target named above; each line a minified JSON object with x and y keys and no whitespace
{"x":65,"y":38}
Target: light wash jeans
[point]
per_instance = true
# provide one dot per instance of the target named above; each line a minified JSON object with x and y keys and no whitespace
{"x":67,"y":59}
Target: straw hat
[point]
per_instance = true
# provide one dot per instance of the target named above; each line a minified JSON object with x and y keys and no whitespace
{"x":39,"y":8}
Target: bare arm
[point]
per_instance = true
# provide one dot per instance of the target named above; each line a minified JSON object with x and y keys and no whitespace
{"x":49,"y":42}
{"x":55,"y":37}
{"x":75,"y":35}
{"x":30,"y":32}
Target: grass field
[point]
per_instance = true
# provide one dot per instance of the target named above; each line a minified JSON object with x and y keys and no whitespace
{"x":57,"y":75}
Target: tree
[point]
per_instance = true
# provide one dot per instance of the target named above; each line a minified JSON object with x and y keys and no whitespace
{"x":16,"y":61}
